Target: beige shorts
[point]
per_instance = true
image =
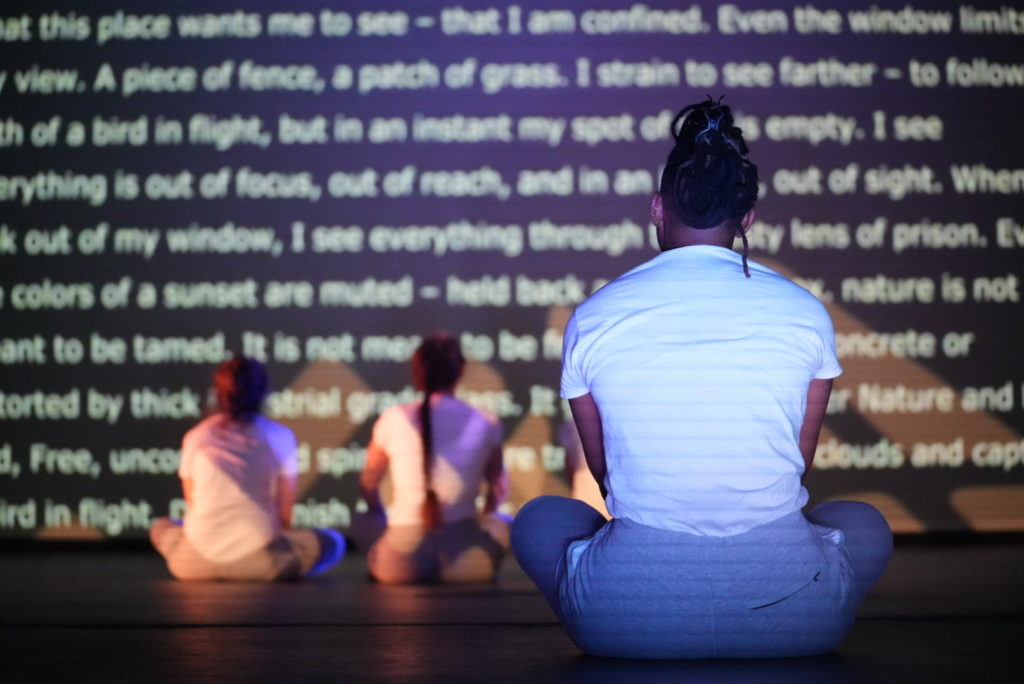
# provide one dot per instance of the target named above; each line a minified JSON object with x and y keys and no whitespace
{"x":290,"y":556}
{"x":457,"y":552}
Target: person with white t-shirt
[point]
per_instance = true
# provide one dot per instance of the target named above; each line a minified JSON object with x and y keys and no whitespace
{"x":238,"y":472}
{"x":699,"y":382}
{"x":438,"y":452}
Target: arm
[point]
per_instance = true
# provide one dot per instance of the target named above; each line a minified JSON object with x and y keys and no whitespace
{"x":370,"y":478}
{"x":286,"y":498}
{"x":817,"y":402}
{"x":497,"y":482}
{"x":588,"y":423}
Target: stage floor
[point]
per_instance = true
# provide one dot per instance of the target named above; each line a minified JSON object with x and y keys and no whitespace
{"x":943,"y":612}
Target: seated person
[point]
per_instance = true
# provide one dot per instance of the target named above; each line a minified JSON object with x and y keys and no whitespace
{"x":698,"y":382}
{"x":438,"y":451}
{"x":238,"y":472}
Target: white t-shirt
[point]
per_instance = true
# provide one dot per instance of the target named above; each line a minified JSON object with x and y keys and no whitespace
{"x":700,"y":376}
{"x":463,"y":439}
{"x":234,"y":469}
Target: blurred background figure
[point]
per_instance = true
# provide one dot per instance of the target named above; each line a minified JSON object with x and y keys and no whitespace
{"x":438,"y":453}
{"x":238,"y":472}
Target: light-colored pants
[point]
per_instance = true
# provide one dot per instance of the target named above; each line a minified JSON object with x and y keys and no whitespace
{"x":787,"y":588}
{"x":463,"y":551}
{"x":292,"y":555}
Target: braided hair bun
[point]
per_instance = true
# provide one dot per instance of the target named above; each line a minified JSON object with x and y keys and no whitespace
{"x":708,"y":179}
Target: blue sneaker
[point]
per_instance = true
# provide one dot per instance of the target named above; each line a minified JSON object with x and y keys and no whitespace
{"x":332,"y":548}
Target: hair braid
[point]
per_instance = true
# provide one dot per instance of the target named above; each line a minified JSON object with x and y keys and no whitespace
{"x":431,"y":505}
{"x":437,"y":365}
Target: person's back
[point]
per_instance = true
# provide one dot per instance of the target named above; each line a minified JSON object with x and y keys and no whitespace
{"x":234,"y":468}
{"x":700,"y":373}
{"x":464,"y":438}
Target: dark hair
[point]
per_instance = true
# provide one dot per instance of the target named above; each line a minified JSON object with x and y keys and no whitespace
{"x":241,"y":385}
{"x":436,"y":366}
{"x":708,"y":179}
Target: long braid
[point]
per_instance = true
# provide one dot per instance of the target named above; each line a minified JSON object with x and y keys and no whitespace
{"x":746,"y":252}
{"x":708,"y":177}
{"x":431,"y":506}
{"x":437,"y":365}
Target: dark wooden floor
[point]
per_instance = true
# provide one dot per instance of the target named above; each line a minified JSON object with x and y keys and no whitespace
{"x":944,"y":612}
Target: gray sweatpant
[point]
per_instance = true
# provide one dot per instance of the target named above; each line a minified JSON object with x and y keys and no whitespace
{"x":786,"y":588}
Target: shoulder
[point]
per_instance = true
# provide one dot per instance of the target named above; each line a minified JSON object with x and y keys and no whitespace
{"x":396,"y":413}
{"x":488,"y":421}
{"x":271,"y":427}
{"x":486,"y":416}
{"x":777,"y":294}
{"x":201,"y":431}
{"x":279,"y":436}
{"x":394,"y":418}
{"x":646,"y":279}
{"x":465,"y":411}
{"x":781,"y":284}
{"x":634,"y":277}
